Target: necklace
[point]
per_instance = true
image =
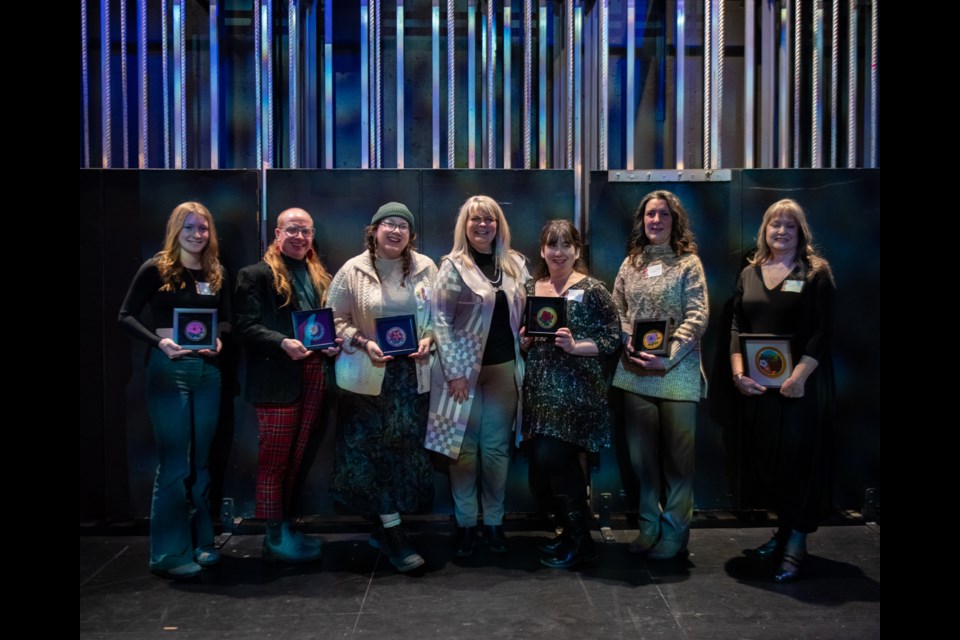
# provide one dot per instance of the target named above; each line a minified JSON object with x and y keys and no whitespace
{"x":202,"y":288}
{"x":496,"y":281}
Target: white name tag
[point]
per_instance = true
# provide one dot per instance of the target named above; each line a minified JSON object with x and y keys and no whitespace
{"x":204,"y":289}
{"x":792,"y":286}
{"x":655,"y":270}
{"x":575,"y":295}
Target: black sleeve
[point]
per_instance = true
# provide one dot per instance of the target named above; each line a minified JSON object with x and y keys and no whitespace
{"x":248,"y":319}
{"x":145,"y":284}
{"x":817,"y":345}
{"x":738,"y":325}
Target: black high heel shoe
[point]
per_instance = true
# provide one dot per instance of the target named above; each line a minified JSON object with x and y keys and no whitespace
{"x":789,"y":569}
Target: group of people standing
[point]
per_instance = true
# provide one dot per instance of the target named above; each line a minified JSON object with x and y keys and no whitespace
{"x":477,"y":382}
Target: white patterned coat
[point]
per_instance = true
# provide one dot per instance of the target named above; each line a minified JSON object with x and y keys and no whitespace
{"x":463,"y":302}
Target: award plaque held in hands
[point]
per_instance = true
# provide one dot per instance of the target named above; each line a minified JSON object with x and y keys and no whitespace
{"x":195,"y":329}
{"x":767,"y":358}
{"x":397,"y":335}
{"x":651,"y":335}
{"x":314,"y":328}
{"x":545,"y":314}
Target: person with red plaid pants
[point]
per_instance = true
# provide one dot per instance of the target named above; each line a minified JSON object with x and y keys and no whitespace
{"x":285,"y":380}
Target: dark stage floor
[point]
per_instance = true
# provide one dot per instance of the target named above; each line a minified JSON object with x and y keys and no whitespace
{"x":715,"y":593}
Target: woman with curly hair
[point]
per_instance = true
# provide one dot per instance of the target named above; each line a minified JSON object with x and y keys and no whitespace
{"x":662,"y":277}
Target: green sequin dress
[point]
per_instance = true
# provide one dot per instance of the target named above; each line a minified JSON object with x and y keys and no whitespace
{"x":565,"y":396}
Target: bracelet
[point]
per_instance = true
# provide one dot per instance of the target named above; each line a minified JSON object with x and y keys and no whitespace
{"x":737,"y":376}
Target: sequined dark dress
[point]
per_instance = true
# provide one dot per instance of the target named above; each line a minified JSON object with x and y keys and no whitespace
{"x":565,"y":396}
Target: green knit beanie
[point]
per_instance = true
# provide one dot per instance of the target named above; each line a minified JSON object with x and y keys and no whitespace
{"x":393,"y":209}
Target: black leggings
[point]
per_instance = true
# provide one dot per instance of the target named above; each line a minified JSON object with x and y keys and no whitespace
{"x":558,"y":462}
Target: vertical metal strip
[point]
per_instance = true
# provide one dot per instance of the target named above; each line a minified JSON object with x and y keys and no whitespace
{"x":716,"y":152}
{"x":435,"y":83}
{"x":311,"y":78}
{"x":568,"y":124}
{"x":293,"y":69}
{"x":604,"y":115}
{"x":630,"y":107}
{"x":143,"y":157}
{"x":165,"y":79}
{"x":527,"y":79}
{"x":214,"y":87}
{"x":797,"y":31}
{"x":179,"y":86}
{"x":491,"y":85}
{"x":267,"y":21}
{"x":328,"y":116}
{"x":749,"y":80}
{"x":874,"y":46}
{"x":106,"y":142}
{"x":484,"y":143}
{"x":680,"y":82}
{"x":124,"y":102}
{"x":577,"y":70}
{"x":834,"y":79}
{"x":542,"y":85}
{"x":377,"y":87}
{"x":400,"y":89}
{"x":783,"y":116}
{"x":852,"y":84}
{"x":768,"y":36}
{"x":258,"y":81}
{"x":507,"y":85}
{"x":816,"y":93}
{"x":707,"y":82}
{"x":451,"y":86}
{"x":85,"y":82}
{"x":471,"y":83}
{"x":364,"y":84}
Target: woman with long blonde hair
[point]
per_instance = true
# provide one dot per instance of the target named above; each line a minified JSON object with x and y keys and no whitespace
{"x":478,"y":305}
{"x":787,"y":290}
{"x":182,"y":385}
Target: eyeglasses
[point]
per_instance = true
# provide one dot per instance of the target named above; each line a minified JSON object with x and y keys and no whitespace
{"x":393,"y":226}
{"x":293,"y":231}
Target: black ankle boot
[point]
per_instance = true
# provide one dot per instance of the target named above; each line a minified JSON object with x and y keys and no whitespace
{"x":399,"y":551}
{"x":576,"y":545}
{"x":466,"y":541}
{"x":495,"y":537}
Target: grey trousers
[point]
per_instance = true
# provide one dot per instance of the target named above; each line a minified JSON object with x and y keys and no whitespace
{"x":488,"y":438}
{"x":660,"y":437}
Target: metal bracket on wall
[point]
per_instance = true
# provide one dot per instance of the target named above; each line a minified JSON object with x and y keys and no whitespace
{"x":670,"y":175}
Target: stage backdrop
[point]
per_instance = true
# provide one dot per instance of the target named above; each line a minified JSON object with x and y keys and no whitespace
{"x":123,"y":213}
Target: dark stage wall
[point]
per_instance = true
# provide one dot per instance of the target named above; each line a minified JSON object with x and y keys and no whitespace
{"x":123,"y":216}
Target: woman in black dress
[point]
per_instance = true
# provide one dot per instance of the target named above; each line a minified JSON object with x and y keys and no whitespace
{"x":564,"y":394}
{"x":787,"y":289}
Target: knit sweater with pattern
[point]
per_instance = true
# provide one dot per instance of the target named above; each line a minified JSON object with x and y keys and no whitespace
{"x":670,"y":286}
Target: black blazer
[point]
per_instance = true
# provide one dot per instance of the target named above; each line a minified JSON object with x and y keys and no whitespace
{"x":261,"y":323}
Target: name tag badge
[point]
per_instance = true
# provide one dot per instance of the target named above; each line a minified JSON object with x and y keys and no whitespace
{"x":792,"y":286}
{"x":655,"y":270}
{"x":204,"y":289}
{"x":575,"y":295}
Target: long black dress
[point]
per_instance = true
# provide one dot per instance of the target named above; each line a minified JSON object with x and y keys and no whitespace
{"x":788,"y":439}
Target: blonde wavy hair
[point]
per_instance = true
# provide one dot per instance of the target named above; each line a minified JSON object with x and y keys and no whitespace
{"x":807,"y":255}
{"x":502,"y":253}
{"x":168,"y":258}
